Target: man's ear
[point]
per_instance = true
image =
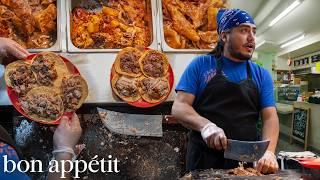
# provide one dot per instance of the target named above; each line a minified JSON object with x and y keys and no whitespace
{"x":223,"y":37}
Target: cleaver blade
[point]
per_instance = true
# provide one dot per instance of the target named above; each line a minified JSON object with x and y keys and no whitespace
{"x":245,"y":151}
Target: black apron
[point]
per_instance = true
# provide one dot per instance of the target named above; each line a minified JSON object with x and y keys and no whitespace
{"x":234,"y":107}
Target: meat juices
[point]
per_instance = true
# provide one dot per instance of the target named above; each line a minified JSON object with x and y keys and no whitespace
{"x":129,"y":63}
{"x":42,"y":104}
{"x":45,"y":70}
{"x":72,"y":92}
{"x":153,"y":65}
{"x":22,"y":79}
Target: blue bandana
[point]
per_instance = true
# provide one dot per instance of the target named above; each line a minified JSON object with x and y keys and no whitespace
{"x":231,"y":18}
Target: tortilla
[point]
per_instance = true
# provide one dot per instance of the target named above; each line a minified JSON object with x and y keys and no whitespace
{"x":58,"y":70}
{"x":42,"y":104}
{"x":78,"y":90}
{"x":24,"y":80}
{"x":154,"y":64}
{"x":127,"y":62}
{"x":133,"y":82}
{"x":154,"y":90}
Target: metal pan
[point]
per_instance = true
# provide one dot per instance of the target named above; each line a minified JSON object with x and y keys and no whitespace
{"x":57,"y":46}
{"x":165,"y":47}
{"x":72,"y":48}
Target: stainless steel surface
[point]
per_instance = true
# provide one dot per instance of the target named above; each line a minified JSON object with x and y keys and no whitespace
{"x":246,"y":151}
{"x":71,"y":48}
{"x":164,"y":45}
{"x":132,"y":124}
{"x":57,"y":46}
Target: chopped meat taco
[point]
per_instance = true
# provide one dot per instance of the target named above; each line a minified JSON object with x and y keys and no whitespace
{"x":74,"y":90}
{"x":18,"y":75}
{"x":126,"y":88}
{"x":154,"y":90}
{"x":49,"y":69}
{"x":42,"y":104}
{"x":154,"y":64}
{"x":127,"y":62}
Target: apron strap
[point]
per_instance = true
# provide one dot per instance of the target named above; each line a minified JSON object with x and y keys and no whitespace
{"x":219,"y":65}
{"x":249,"y":74}
{"x":219,"y":62}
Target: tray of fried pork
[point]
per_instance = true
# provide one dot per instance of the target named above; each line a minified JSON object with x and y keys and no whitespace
{"x":34,"y":24}
{"x":112,"y":26}
{"x":189,"y":25}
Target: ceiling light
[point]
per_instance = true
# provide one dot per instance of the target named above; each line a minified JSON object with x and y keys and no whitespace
{"x":260,"y":44}
{"x":285,"y":12}
{"x":293,"y":41}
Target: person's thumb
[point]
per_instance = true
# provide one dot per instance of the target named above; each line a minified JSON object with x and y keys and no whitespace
{"x":64,"y":121}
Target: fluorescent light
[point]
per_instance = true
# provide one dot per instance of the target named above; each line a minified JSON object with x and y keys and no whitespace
{"x":292,"y":41}
{"x":260,"y":44}
{"x":285,"y":12}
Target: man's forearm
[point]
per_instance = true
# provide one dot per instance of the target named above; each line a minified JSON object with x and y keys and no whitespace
{"x":188,"y":117}
{"x":270,"y":131}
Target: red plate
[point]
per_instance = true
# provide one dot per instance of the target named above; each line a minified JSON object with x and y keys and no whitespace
{"x":141,"y":103}
{"x":14,"y":97}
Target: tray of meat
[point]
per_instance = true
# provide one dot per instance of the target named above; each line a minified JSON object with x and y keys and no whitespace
{"x":189,"y":25}
{"x":110,"y":26}
{"x":34,"y":24}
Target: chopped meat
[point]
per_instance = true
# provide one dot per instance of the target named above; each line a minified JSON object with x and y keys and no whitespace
{"x":155,"y":88}
{"x":42,"y":104}
{"x":22,"y":79}
{"x":72,"y":92}
{"x":45,"y":70}
{"x":241,"y":171}
{"x":40,"y":40}
{"x":22,"y":10}
{"x":125,"y":23}
{"x":43,"y":2}
{"x":153,"y":65}
{"x":34,"y":2}
{"x":209,"y":36}
{"x":129,"y":63}
{"x":31,"y":23}
{"x":46,"y":19}
{"x":126,"y":87}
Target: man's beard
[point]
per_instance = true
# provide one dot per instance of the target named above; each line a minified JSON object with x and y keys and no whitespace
{"x":238,"y":55}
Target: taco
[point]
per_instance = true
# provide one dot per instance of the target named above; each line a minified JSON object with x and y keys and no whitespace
{"x":154,"y":90}
{"x":49,"y":69}
{"x":127,"y":62}
{"x":18,"y":75}
{"x":74,"y":90}
{"x":125,"y":87}
{"x":42,"y":104}
{"x":154,"y":64}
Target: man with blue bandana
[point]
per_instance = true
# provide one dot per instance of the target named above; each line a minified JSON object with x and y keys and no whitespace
{"x":221,"y":96}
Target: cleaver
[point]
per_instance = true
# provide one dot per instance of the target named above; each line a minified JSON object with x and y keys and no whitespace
{"x":245,"y":151}
{"x":131,"y":124}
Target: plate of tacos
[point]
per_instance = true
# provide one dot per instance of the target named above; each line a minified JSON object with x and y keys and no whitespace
{"x":142,"y":78}
{"x":45,"y":86}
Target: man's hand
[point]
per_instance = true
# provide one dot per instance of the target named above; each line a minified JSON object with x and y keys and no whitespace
{"x":268,"y":163}
{"x":68,"y":132}
{"x":10,"y":47}
{"x":214,"y":136}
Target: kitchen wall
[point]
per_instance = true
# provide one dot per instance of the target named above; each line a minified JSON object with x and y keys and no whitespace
{"x":266,"y":60}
